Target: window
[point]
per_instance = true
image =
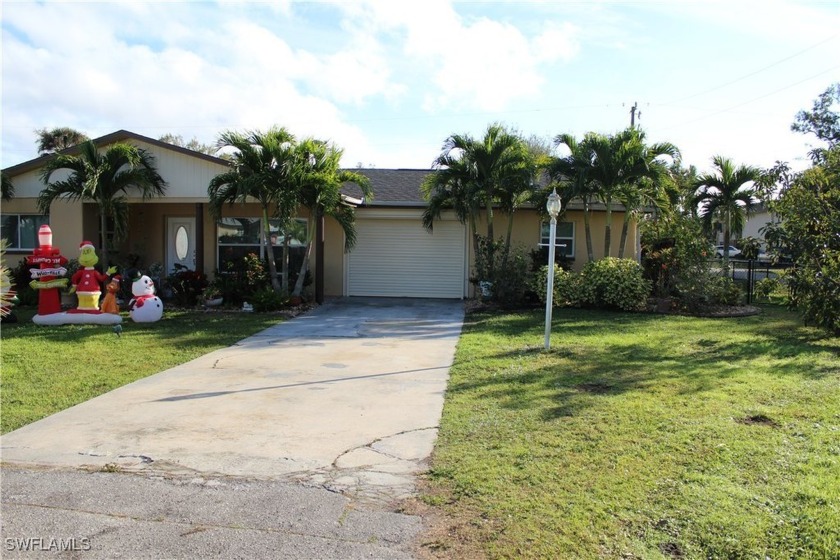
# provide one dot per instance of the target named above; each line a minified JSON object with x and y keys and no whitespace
{"x":21,"y":230}
{"x":564,"y":238}
{"x":238,"y":237}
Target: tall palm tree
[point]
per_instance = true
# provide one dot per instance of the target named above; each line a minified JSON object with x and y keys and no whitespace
{"x":103,"y":178}
{"x":58,"y":139}
{"x":261,"y":168}
{"x":482,"y":171}
{"x":621,"y":160}
{"x":318,"y":179}
{"x":725,"y":196}
{"x":451,"y":186}
{"x":574,"y":171}
{"x":646,"y":188}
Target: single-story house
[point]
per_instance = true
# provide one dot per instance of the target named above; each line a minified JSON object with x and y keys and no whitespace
{"x":394,"y":255}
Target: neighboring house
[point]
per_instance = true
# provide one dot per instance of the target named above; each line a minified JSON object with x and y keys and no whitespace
{"x":394,"y":255}
{"x":758,"y":219}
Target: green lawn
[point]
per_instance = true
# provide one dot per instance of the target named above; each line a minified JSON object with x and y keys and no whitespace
{"x":47,"y":369}
{"x":640,"y":436}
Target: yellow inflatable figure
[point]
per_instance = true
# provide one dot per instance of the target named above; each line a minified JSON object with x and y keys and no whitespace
{"x":87,"y":280}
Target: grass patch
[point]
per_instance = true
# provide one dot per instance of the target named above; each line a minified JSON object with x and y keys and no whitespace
{"x":641,"y":436}
{"x":47,"y":369}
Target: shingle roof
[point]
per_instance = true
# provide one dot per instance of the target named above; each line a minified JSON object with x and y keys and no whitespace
{"x":391,"y":187}
{"x":118,"y":136}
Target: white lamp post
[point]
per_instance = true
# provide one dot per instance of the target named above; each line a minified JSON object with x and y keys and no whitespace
{"x":553,"y":206}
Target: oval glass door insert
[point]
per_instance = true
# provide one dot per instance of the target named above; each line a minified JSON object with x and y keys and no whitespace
{"x":182,"y":243}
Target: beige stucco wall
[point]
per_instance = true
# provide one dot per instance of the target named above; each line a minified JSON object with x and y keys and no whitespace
{"x":526,"y":233}
{"x":333,"y":258}
{"x":187,"y":176}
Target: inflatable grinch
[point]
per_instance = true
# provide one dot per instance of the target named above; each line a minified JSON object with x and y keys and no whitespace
{"x":86,"y":283}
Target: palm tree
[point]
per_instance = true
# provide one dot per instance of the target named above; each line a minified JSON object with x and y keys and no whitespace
{"x":725,"y":196}
{"x":103,"y":178}
{"x":58,"y":139}
{"x":621,"y":160}
{"x":8,"y":189}
{"x":574,"y":171}
{"x":646,"y":189}
{"x":488,"y":171}
{"x":261,"y":168}
{"x":318,"y":179}
{"x":451,"y":186}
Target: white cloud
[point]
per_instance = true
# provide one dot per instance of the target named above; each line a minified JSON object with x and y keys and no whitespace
{"x":482,"y":64}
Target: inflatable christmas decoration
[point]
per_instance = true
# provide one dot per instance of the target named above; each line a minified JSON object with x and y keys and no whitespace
{"x":87,"y":282}
{"x":109,"y":303}
{"x":49,"y":277}
{"x":145,"y":306}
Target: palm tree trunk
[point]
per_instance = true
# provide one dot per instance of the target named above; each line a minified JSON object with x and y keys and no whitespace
{"x":726,"y":239}
{"x":304,"y":267}
{"x":286,"y":239}
{"x":506,"y":254}
{"x":103,"y":236}
{"x":623,"y":241}
{"x":474,"y":233}
{"x":491,"y":246}
{"x":269,"y":247}
{"x":608,"y":227}
{"x":590,"y":254}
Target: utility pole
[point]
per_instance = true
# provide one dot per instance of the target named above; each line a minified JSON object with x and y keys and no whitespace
{"x":633,"y":111}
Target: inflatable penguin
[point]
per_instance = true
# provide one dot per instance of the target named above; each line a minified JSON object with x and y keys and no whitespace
{"x":145,"y":306}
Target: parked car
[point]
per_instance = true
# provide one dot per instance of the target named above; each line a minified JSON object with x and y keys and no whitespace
{"x":733,"y":251}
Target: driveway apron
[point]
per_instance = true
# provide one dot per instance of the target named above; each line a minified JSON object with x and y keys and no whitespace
{"x":347,"y":397}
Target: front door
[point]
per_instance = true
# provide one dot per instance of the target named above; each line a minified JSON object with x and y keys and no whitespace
{"x":180,"y":243}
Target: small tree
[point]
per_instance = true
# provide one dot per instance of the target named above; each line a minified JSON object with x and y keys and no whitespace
{"x":810,"y":214}
{"x":727,"y":196}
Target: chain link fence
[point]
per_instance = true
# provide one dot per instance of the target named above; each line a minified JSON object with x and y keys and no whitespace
{"x":747,"y":272}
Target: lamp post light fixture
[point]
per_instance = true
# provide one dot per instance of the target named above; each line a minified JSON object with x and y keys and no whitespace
{"x":553,"y":206}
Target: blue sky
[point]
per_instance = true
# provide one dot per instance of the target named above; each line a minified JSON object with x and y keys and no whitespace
{"x":389,"y":80}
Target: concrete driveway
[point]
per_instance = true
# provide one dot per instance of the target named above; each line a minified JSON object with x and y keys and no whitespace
{"x":278,"y":435}
{"x":348,"y":396}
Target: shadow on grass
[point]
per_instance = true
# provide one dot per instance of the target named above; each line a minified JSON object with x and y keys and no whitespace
{"x":605,"y":354}
{"x":184,"y":329}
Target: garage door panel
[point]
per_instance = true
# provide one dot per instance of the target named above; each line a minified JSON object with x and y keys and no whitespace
{"x":398,"y":258}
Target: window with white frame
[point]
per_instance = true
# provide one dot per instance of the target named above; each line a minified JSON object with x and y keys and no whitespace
{"x":21,"y":230}
{"x":238,"y":237}
{"x":564,"y":238}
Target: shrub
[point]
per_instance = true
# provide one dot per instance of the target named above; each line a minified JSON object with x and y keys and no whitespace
{"x":21,"y":278}
{"x":240,"y":280}
{"x":706,"y":289}
{"x":765,"y":287}
{"x":187,"y":285}
{"x":509,"y":279}
{"x":613,"y":283}
{"x":267,"y":299}
{"x":724,"y":291}
{"x":565,"y":286}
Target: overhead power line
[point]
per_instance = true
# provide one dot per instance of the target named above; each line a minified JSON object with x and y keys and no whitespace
{"x":745,"y":76}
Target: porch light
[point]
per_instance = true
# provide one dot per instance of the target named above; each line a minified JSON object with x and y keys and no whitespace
{"x":553,"y":206}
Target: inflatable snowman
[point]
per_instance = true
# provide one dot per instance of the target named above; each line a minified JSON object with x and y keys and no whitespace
{"x":145,"y":306}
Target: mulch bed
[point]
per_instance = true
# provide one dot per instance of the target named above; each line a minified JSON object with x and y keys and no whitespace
{"x":654,"y":306}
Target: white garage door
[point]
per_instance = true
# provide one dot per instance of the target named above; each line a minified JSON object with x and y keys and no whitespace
{"x":399,"y":258}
